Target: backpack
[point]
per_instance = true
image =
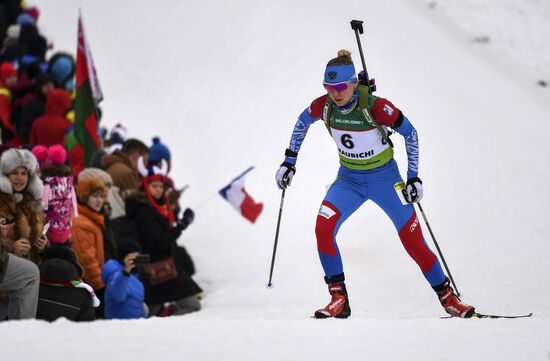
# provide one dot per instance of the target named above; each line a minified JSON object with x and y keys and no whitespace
{"x":59,"y":200}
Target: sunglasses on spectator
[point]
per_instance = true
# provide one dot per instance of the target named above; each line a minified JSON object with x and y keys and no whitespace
{"x":338,"y":87}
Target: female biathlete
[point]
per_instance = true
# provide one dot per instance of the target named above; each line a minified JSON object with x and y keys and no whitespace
{"x":358,"y":122}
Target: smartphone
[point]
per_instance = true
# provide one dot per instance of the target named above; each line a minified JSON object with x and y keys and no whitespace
{"x":9,"y":221}
{"x":45,"y":229}
{"x":141,"y":259}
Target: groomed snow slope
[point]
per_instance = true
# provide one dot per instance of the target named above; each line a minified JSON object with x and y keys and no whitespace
{"x":223,"y":82}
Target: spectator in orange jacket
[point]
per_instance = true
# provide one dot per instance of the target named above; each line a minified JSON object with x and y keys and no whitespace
{"x":51,"y":128}
{"x":87,"y":233}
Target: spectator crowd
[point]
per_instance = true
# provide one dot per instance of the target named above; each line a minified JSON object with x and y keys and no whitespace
{"x":101,"y":242}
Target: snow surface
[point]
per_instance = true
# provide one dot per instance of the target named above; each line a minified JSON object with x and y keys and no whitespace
{"x":222,"y":83}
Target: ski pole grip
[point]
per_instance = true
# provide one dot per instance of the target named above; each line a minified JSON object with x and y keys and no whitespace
{"x":357,"y":25}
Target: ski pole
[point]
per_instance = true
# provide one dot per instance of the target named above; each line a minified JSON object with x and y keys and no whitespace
{"x":357,"y":26}
{"x":269,"y":284}
{"x":438,"y":249}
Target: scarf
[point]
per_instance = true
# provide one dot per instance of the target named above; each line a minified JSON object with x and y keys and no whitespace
{"x":162,"y":206}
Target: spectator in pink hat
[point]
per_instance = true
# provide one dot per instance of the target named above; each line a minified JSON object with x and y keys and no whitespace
{"x":58,"y":197}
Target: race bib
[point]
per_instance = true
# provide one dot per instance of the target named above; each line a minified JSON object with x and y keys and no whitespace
{"x":358,"y":144}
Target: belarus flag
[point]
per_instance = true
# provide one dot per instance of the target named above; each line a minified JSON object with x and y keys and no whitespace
{"x":236,"y":195}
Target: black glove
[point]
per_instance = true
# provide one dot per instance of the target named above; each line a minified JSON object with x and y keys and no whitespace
{"x":413,"y":192}
{"x":284,"y":175}
{"x":187,"y":219}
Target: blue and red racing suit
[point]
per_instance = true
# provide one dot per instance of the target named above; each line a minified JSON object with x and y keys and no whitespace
{"x":367,"y":171}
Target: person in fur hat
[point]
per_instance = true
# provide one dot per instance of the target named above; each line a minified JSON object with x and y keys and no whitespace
{"x":109,"y":241}
{"x":87,"y":234}
{"x":21,"y":201}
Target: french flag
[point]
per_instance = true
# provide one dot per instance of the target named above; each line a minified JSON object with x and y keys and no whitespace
{"x":237,"y":196}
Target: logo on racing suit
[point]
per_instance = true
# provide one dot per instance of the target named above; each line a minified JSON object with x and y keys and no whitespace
{"x":414,"y":224}
{"x":361,"y":155}
{"x":388,"y":109}
{"x":326,"y":212}
{"x":348,"y":121}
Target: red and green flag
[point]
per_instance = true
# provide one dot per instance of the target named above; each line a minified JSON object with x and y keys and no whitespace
{"x":83,"y":140}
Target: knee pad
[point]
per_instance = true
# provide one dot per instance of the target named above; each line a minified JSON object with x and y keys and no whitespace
{"x":325,"y":228}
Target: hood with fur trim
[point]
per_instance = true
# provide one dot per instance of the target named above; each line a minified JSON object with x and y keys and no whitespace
{"x":10,"y":160}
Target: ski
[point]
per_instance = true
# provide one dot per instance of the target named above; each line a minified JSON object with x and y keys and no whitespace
{"x":484,"y":315}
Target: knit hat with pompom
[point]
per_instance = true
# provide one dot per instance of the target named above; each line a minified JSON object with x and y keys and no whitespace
{"x":158,"y":151}
{"x":56,"y":154}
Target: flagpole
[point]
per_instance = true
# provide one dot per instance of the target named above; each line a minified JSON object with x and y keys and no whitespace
{"x":206,"y":201}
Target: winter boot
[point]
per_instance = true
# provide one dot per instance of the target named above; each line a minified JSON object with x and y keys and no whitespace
{"x":339,"y":304}
{"x":168,"y":309}
{"x":450,"y":301}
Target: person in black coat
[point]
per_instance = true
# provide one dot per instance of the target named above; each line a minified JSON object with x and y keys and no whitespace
{"x":157,"y":232}
{"x":62,"y":294}
{"x":34,"y":107}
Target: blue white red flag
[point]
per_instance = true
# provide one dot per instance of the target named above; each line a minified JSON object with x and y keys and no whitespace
{"x":237,"y":196}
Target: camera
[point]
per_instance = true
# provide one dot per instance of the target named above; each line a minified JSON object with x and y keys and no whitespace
{"x":141,"y":259}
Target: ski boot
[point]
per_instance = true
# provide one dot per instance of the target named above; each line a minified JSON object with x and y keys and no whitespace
{"x":339,"y":304}
{"x":450,"y":301}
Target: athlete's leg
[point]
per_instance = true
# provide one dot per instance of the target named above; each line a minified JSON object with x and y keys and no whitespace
{"x":408,"y":226}
{"x":340,"y":202}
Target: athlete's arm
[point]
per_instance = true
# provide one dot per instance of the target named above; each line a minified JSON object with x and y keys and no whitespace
{"x":308,"y":117}
{"x":298,"y":135}
{"x":387,"y":114}
{"x":406,"y":129}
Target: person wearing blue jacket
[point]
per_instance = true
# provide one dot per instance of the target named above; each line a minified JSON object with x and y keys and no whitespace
{"x":124,"y":292}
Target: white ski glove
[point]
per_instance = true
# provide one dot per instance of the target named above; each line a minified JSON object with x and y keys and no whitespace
{"x":284,"y":175}
{"x":413,"y":192}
